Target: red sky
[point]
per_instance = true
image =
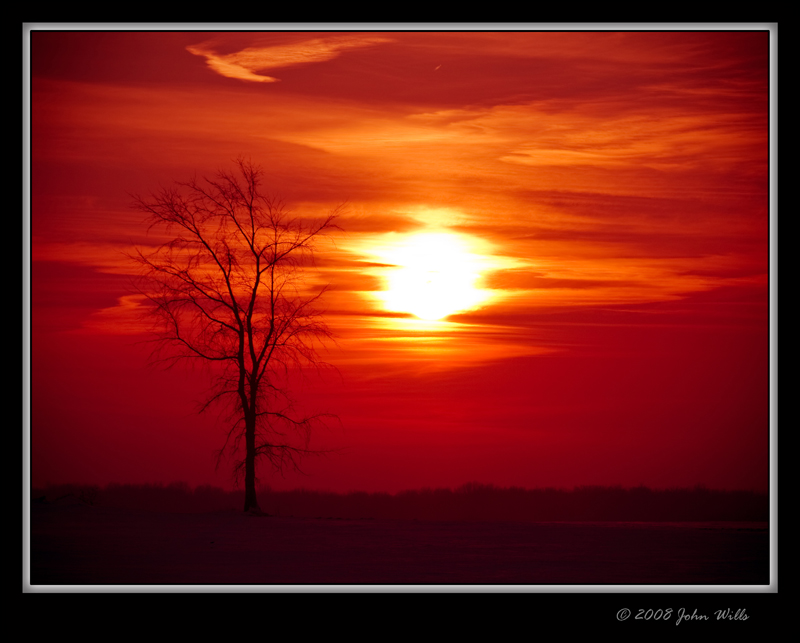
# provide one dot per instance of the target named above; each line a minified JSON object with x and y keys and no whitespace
{"x":613,"y":189}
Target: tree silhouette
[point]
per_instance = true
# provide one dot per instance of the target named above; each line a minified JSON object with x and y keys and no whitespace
{"x":227,"y":290}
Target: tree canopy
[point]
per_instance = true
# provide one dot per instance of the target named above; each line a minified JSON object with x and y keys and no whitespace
{"x":227,"y":288}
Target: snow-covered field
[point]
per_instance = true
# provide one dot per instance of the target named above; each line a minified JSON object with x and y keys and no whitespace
{"x":76,"y":544}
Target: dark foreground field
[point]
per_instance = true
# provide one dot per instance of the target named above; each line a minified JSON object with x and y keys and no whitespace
{"x":77,"y":544}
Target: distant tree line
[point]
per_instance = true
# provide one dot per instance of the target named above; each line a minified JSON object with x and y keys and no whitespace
{"x":472,"y":501}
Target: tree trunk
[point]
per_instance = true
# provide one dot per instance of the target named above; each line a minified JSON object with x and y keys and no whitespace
{"x":250,"y":501}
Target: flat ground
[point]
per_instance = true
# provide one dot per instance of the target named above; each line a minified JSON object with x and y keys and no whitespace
{"x":83,"y":545}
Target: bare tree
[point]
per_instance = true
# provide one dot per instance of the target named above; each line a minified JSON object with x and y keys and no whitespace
{"x":227,"y":290}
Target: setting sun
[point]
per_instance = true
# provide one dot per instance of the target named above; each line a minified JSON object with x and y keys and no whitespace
{"x":434,"y":275}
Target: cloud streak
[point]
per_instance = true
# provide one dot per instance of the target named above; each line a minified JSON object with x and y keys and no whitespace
{"x":247,"y":63}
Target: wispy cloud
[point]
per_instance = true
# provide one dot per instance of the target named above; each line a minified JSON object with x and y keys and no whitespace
{"x":247,"y":64}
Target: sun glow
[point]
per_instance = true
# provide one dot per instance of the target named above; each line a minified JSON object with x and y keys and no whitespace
{"x":433,"y":275}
